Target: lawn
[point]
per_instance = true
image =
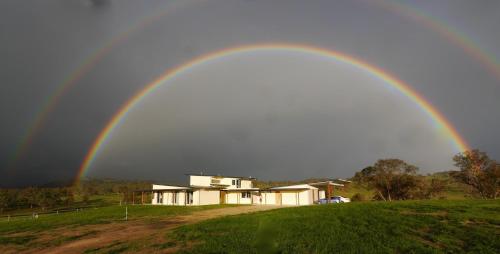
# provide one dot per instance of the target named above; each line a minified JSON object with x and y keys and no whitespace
{"x":99,"y":215}
{"x":51,"y":230}
{"x":437,"y":226}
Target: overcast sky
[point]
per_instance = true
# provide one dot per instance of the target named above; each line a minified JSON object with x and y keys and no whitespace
{"x":271,"y":115}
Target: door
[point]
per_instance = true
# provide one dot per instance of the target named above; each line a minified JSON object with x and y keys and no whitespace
{"x":222,"y":197}
{"x":278,"y":198}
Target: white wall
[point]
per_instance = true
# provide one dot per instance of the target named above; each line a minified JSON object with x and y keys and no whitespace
{"x":256,"y":198}
{"x":228,"y":181}
{"x":246,"y":184}
{"x":297,"y":197}
{"x":268,"y":198}
{"x":246,"y":201}
{"x":305,"y":197}
{"x":232,"y":197}
{"x":154,"y":198}
{"x":207,"y":197}
{"x":289,"y":198}
{"x":200,"y":180}
{"x":236,"y":198}
{"x":322,"y":194}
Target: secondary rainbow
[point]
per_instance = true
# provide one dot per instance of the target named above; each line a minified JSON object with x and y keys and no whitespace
{"x":456,"y":37}
{"x":441,"y":122}
{"x":76,"y":75}
{"x":401,"y":8}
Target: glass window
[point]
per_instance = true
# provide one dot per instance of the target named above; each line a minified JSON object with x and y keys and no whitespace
{"x":234,"y":182}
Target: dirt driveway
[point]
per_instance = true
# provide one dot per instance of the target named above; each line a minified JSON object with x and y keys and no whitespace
{"x":109,"y":234}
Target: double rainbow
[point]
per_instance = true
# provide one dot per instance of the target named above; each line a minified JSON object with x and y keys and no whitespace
{"x":402,"y":8}
{"x":441,"y":122}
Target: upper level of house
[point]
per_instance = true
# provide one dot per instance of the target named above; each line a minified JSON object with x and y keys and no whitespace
{"x":229,"y":182}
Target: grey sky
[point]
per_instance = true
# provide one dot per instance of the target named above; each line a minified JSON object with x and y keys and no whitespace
{"x":42,"y":42}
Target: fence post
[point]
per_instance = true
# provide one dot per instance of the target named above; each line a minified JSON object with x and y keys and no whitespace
{"x":126,"y":212}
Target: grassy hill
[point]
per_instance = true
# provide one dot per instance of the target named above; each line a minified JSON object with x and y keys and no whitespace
{"x":437,"y":226}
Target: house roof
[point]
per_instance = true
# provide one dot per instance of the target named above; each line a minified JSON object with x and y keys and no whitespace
{"x":240,"y":177}
{"x":344,"y":180}
{"x":295,"y":187}
{"x":169,"y":187}
{"x":207,"y":187}
{"x":241,"y":189}
{"x":177,"y":187}
{"x":326,"y":183}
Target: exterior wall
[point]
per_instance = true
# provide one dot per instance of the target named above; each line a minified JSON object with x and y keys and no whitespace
{"x":315,"y":195}
{"x":306,"y":197}
{"x":256,"y":198}
{"x":289,"y":197}
{"x":153,"y":202}
{"x":322,"y":194}
{"x":292,"y":197}
{"x":207,"y":181}
{"x":246,"y":201}
{"x":246,"y":184}
{"x":200,"y":180}
{"x":228,"y":181}
{"x":232,"y":197}
{"x":170,"y":198}
{"x":236,"y":198}
{"x":206,"y":197}
{"x":268,"y":198}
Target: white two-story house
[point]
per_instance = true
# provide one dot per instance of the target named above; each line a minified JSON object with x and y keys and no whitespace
{"x":207,"y":190}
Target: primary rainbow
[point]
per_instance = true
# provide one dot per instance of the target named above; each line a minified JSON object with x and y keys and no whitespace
{"x":441,"y":122}
{"x":76,"y":75}
{"x":487,"y":60}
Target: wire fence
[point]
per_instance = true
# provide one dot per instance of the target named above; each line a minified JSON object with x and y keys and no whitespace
{"x":36,"y":214}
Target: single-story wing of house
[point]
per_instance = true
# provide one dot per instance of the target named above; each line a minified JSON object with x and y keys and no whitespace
{"x":302,"y":194}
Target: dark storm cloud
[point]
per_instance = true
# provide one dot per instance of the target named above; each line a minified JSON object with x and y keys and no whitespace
{"x":42,"y":42}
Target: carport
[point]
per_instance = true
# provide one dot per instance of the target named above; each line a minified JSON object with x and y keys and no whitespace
{"x":328,"y":187}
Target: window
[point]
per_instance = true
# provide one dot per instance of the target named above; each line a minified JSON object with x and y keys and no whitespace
{"x":238,"y":183}
{"x":246,"y":195}
{"x":234,"y":182}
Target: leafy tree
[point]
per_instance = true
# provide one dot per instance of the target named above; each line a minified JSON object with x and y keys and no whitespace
{"x":4,"y":200}
{"x":479,"y":171}
{"x":392,"y":179}
{"x":30,"y":195}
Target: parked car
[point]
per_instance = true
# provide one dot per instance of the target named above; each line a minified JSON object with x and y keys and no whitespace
{"x":334,"y":199}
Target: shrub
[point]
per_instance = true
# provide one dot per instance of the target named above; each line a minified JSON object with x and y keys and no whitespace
{"x":358,"y":197}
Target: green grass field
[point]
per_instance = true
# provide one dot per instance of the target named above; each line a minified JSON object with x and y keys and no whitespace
{"x":95,"y":216}
{"x":23,"y":234}
{"x":438,"y":226}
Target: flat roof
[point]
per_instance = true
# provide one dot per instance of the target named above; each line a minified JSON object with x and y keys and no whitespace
{"x":242,"y":189}
{"x":240,"y":177}
{"x":326,"y":183}
{"x":295,"y":187}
